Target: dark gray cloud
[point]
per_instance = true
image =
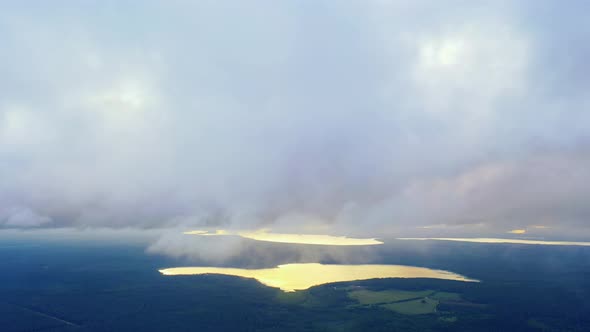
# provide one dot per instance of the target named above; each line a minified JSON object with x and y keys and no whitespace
{"x":349,"y":115}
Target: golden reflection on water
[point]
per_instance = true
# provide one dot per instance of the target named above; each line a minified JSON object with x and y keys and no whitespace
{"x":292,"y":277}
{"x":517,"y":231}
{"x":293,"y":238}
{"x":495,"y":240}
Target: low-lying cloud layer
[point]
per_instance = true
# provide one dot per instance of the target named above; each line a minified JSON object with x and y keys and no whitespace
{"x":365,"y":117}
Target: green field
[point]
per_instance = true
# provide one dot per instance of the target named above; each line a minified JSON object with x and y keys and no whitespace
{"x":446,"y":296}
{"x":413,"y":307}
{"x":403,"y":301}
{"x":388,"y":296}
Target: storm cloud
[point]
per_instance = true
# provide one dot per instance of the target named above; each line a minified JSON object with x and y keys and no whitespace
{"x":357,"y":116}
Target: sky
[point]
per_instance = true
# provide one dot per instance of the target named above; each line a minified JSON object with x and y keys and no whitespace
{"x":360,"y":117}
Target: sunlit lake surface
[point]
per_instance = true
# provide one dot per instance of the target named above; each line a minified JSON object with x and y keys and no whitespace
{"x":494,"y":240}
{"x":293,"y":238}
{"x":517,"y":231}
{"x":292,"y":277}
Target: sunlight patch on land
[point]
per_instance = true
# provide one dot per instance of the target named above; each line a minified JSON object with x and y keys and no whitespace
{"x":494,"y":240}
{"x":262,"y":235}
{"x":292,"y":277}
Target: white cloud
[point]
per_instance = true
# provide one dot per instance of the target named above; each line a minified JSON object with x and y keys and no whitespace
{"x":22,"y":217}
{"x":375,"y":115}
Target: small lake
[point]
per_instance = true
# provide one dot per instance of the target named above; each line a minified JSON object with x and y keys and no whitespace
{"x":496,"y":240}
{"x":316,"y":239}
{"x":292,"y":277}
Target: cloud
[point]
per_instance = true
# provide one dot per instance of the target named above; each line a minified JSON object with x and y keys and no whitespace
{"x":22,"y":217}
{"x":351,"y":117}
{"x":211,"y":250}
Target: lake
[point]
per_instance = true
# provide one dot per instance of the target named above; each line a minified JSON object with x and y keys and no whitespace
{"x":292,"y":277}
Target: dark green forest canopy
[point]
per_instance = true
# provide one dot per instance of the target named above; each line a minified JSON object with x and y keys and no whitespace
{"x":50,"y":286}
